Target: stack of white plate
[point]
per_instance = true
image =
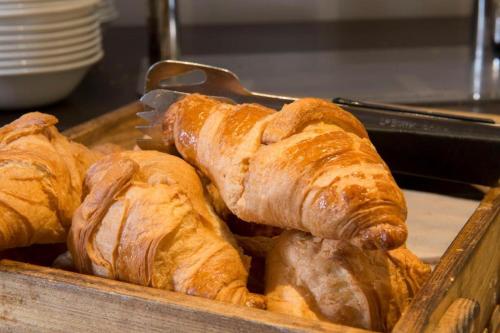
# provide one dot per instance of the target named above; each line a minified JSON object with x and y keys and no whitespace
{"x":46,"y":48}
{"x":107,"y":11}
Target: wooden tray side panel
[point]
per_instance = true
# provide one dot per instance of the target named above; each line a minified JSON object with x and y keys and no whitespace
{"x":116,"y":127}
{"x":469,"y":269}
{"x":40,"y":299}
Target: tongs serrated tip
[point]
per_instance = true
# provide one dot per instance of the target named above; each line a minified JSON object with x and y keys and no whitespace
{"x":155,"y":103}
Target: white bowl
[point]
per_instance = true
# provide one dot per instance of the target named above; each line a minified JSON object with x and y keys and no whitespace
{"x":40,"y":87}
{"x":37,"y":28}
{"x":46,"y":36}
{"x":27,"y":5}
{"x":107,"y":11}
{"x":43,"y":7}
{"x":14,"y":55}
{"x":50,"y":44}
{"x":50,"y":69}
{"x":48,"y":14}
{"x":50,"y":61}
{"x":27,"y":1}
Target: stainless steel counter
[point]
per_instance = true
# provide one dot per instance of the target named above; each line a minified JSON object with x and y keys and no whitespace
{"x":407,"y":61}
{"x":410,"y":75}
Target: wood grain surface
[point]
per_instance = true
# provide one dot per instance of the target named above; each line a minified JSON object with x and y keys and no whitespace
{"x":468,"y":269}
{"x":116,"y":127}
{"x":39,"y":299}
{"x":461,"y":316}
{"x":494,"y":326}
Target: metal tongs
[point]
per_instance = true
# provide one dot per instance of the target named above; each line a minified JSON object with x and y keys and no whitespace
{"x":411,"y":141}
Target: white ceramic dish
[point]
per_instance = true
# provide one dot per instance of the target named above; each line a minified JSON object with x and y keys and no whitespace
{"x":15,"y":55}
{"x":47,"y":36}
{"x":50,"y":7}
{"x":28,"y":1}
{"x":40,"y":28}
{"x":50,"y":69}
{"x":42,"y":15}
{"x":50,"y":61}
{"x":27,"y":5}
{"x":40,"y":87}
{"x":107,"y":11}
{"x":50,"y":44}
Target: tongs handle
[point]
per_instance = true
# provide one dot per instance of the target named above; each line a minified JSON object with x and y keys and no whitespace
{"x":409,"y":110}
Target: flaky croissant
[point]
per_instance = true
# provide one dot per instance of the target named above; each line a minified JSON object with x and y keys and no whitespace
{"x":309,"y":167}
{"x":41,"y":176}
{"x":335,"y":281}
{"x":145,"y":220}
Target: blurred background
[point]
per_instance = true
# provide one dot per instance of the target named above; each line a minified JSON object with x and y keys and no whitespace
{"x":426,"y":52}
{"x":192,"y":12}
{"x":397,"y":51}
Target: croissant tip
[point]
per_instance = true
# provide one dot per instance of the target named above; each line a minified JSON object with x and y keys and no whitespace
{"x":256,"y":301}
{"x":383,"y":237}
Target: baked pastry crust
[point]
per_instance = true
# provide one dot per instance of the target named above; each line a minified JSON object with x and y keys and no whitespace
{"x":41,"y":175}
{"x":146,"y":220}
{"x":309,"y":167}
{"x":335,"y":281}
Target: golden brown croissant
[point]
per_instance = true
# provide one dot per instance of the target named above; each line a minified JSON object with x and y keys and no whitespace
{"x":146,"y":221}
{"x":309,"y":167}
{"x":41,"y":175}
{"x":336,"y":281}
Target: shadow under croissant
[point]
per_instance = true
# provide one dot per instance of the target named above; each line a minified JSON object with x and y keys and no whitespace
{"x":39,"y":254}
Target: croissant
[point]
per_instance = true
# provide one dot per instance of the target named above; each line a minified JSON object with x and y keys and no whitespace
{"x":309,"y":167}
{"x":146,"y":220}
{"x":41,"y":176}
{"x":336,"y":281}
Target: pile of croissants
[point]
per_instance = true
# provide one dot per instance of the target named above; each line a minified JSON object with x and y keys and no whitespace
{"x":302,"y":191}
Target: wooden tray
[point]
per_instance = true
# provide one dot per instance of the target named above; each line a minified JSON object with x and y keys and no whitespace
{"x":460,"y":295}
